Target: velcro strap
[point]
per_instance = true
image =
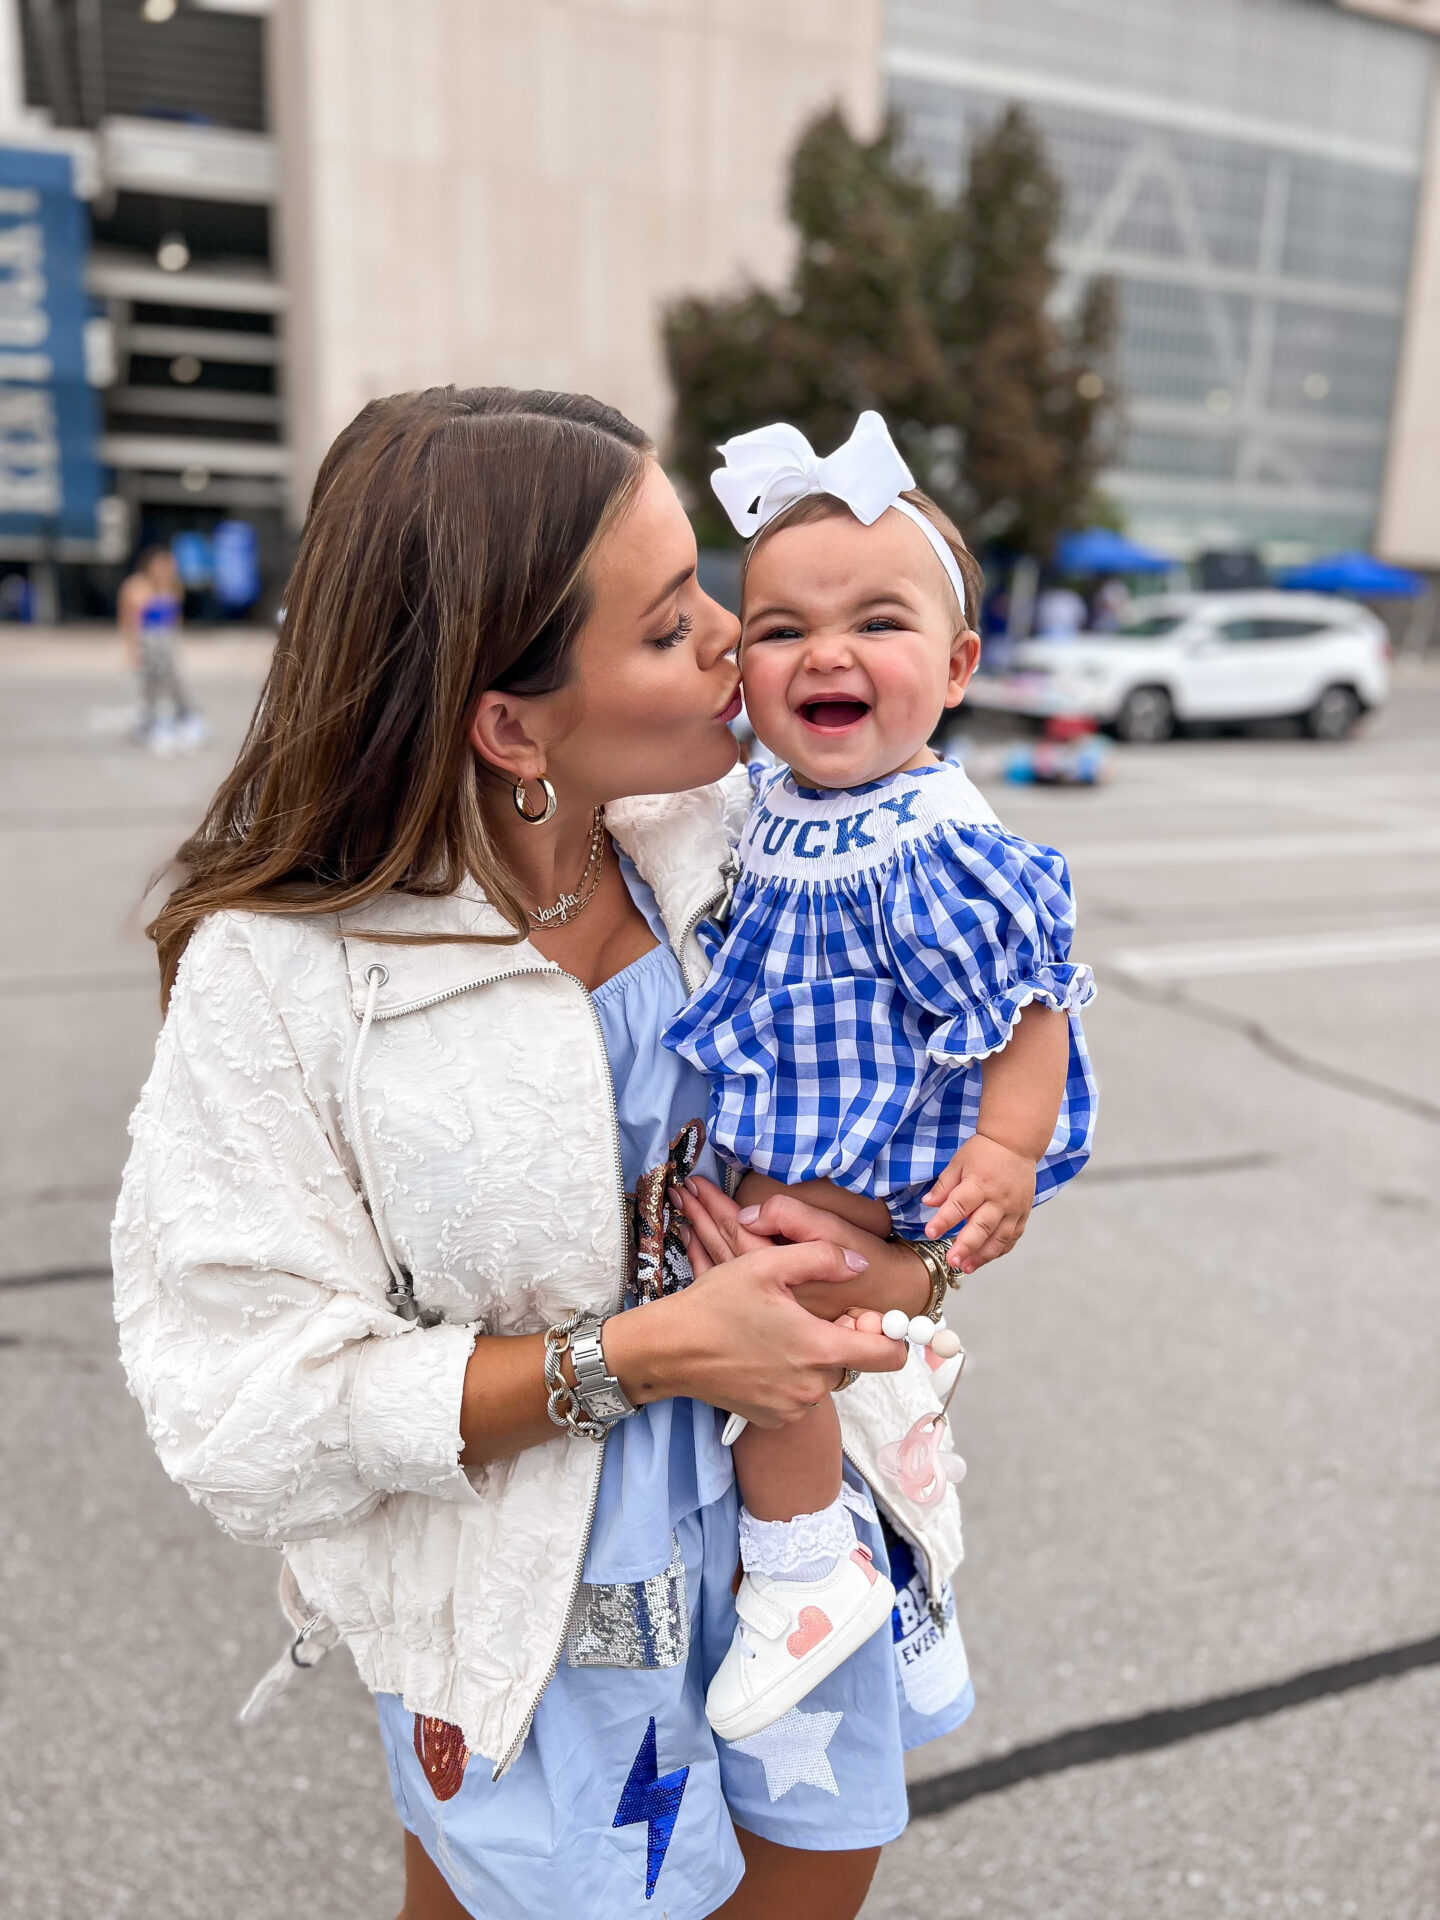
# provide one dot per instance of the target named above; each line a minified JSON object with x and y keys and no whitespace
{"x":759,"y":1611}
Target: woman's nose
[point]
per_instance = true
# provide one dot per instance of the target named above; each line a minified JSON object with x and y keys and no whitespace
{"x":721,"y":633}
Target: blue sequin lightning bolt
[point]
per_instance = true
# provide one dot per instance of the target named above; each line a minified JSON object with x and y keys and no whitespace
{"x":654,"y":1800}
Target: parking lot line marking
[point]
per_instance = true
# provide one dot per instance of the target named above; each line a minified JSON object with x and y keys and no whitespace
{"x":1181,"y":1169}
{"x":1164,"y":1727}
{"x":1207,"y":958}
{"x":1237,"y":849}
{"x":1334,"y":798}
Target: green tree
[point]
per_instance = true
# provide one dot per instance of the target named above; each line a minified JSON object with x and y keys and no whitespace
{"x":852,"y":329}
{"x":938,"y":314}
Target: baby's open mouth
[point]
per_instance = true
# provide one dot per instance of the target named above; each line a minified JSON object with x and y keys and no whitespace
{"x":833,"y":716}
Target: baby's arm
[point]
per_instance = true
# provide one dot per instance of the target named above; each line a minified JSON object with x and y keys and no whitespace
{"x":990,"y":1184}
{"x":872,"y":1216}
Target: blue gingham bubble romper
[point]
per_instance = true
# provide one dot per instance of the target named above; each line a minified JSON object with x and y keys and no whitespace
{"x":883,"y":940}
{"x":622,"y":1803}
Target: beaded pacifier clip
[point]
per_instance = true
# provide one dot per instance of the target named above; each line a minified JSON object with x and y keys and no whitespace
{"x":920,"y":1462}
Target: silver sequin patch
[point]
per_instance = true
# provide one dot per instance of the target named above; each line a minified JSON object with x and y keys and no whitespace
{"x":640,"y":1624}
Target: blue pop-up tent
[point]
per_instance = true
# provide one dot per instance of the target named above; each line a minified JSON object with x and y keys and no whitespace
{"x":1101,"y":550}
{"x":1355,"y":573}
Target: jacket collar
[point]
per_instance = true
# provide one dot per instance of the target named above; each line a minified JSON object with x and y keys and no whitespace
{"x":679,"y":843}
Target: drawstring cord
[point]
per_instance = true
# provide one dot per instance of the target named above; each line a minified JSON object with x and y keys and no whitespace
{"x":400,"y":1293}
{"x":312,"y":1637}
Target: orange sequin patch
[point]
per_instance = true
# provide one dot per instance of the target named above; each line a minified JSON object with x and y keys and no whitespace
{"x":441,"y":1751}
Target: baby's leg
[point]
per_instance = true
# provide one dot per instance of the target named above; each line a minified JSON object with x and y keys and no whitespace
{"x":810,"y":1593}
{"x":791,"y":1470}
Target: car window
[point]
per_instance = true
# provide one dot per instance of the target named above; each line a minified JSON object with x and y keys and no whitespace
{"x":1241,"y":630}
{"x":1290,"y":629}
{"x":1152,"y":628}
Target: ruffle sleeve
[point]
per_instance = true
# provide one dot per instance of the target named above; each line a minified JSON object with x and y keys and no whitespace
{"x":978,"y":925}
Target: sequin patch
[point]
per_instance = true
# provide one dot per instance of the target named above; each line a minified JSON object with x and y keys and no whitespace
{"x":641,"y":1624}
{"x":654,"y":1798}
{"x":661,"y":1263}
{"x":792,"y":1751}
{"x":442,"y":1753}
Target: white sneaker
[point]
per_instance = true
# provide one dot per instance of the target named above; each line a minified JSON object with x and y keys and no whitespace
{"x":791,"y":1633}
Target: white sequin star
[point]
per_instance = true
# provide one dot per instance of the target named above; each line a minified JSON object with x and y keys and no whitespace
{"x":792,"y":1751}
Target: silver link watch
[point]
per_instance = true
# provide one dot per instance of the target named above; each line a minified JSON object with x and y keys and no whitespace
{"x":601,"y":1396}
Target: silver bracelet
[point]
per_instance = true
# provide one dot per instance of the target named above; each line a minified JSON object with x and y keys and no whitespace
{"x":560,"y":1401}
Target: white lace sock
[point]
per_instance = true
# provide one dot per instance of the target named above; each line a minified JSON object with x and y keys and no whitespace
{"x":805,"y":1548}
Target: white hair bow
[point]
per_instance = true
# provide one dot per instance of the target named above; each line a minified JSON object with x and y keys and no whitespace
{"x":771,"y":468}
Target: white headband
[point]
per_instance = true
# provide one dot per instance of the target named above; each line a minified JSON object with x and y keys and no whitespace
{"x":771,"y":468}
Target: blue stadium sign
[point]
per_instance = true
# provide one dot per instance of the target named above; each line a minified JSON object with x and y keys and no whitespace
{"x":49,"y":475}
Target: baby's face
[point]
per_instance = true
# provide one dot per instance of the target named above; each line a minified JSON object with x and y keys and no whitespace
{"x":851,"y":648}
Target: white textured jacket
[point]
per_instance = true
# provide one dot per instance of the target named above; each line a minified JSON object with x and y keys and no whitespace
{"x":287,"y":1150}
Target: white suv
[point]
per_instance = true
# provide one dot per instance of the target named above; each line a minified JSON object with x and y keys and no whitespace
{"x":1205,"y":656}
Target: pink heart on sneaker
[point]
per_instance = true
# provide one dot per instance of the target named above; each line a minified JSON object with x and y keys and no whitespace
{"x":813,"y":1627}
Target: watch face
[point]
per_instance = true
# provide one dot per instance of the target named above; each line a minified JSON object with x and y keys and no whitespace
{"x":607,"y":1404}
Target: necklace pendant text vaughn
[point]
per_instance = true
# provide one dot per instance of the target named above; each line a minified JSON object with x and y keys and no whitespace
{"x":562,"y":909}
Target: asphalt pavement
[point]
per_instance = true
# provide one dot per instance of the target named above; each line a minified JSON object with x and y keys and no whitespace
{"x":1201,"y":1409}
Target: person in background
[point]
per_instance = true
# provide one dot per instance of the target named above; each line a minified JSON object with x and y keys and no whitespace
{"x":1059,"y":614}
{"x":149,"y":611}
{"x":1107,"y":613}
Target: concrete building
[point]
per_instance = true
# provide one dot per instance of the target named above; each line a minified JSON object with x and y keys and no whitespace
{"x":1249,"y":172}
{"x":480,"y":191}
{"x":299,"y":204}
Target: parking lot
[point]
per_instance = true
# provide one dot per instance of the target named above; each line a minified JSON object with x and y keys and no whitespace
{"x":1201,"y":1410}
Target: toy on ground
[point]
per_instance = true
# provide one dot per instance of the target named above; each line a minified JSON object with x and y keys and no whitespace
{"x":1072,"y":754}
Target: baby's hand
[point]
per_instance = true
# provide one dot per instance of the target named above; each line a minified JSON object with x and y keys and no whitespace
{"x":992,"y":1189}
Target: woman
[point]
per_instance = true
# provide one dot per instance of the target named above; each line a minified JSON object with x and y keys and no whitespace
{"x":415,"y":983}
{"x":149,"y":607}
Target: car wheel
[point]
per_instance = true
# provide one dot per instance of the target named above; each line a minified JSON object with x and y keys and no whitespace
{"x":1147,"y":716}
{"x":1333,"y":714}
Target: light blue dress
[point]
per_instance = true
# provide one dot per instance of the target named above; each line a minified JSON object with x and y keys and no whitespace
{"x":622,"y":1802}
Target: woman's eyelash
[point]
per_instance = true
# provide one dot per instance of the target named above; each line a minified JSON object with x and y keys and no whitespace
{"x":677,"y":633}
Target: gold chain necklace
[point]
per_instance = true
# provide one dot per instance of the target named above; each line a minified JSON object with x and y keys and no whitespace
{"x":569,"y":905}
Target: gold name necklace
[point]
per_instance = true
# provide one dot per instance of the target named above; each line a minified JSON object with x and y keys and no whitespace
{"x":569,"y":905}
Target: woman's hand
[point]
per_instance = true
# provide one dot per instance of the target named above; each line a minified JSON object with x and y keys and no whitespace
{"x":738,"y":1338}
{"x":752,"y":1333}
{"x":719,"y":1231}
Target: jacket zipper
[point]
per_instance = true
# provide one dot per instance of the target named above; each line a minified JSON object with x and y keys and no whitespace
{"x":690,"y":925}
{"x":617,"y":1299}
{"x":933,"y":1581}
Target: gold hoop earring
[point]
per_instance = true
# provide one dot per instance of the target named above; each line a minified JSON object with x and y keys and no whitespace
{"x":534,"y":819}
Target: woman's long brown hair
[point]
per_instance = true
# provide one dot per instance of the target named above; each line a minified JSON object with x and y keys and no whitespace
{"x":444,"y":552}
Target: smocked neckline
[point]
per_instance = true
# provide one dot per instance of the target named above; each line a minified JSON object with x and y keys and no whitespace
{"x":870,"y":786}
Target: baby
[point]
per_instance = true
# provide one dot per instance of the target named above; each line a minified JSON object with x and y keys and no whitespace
{"x":861,"y":1025}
